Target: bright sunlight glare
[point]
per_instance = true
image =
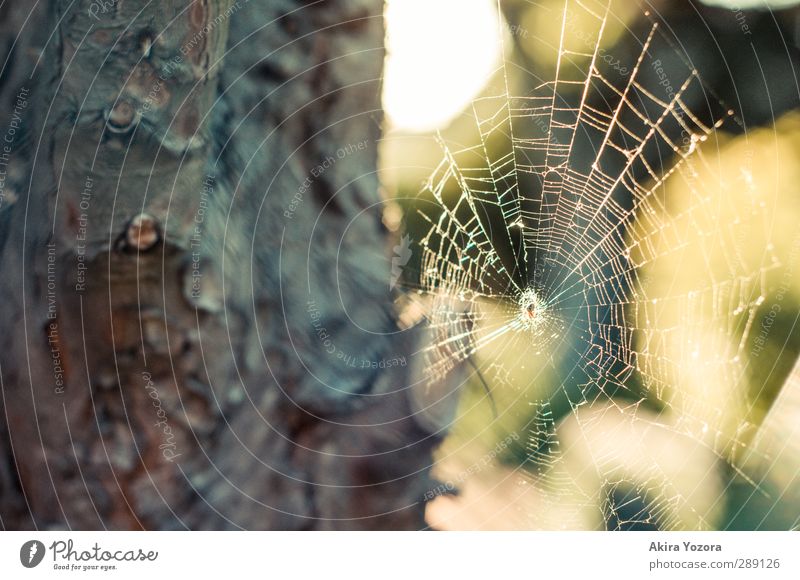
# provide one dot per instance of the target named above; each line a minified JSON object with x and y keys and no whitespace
{"x":441,"y":53}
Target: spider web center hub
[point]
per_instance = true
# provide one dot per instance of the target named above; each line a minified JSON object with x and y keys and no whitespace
{"x":532,"y":310}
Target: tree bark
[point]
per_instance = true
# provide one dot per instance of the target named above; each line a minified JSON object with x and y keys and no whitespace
{"x":199,"y":331}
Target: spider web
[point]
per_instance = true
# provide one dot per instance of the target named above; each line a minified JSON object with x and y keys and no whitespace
{"x":548,"y":247}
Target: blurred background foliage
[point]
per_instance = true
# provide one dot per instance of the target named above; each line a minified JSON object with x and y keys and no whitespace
{"x":710,"y":445}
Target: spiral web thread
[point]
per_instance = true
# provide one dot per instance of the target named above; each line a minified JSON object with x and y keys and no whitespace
{"x":569,"y":268}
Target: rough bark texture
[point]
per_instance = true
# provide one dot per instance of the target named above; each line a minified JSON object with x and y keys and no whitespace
{"x":198,"y":331}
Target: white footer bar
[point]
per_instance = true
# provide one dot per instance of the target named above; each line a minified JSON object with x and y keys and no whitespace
{"x":371,"y":555}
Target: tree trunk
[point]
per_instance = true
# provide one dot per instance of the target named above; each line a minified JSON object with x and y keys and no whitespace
{"x":199,"y":331}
